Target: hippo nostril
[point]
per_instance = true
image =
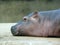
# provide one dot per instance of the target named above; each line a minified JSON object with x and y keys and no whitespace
{"x":13,"y":28}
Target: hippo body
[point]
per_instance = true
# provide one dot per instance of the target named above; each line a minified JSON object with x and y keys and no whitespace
{"x":43,"y":23}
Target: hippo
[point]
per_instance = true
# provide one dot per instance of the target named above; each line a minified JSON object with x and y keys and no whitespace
{"x":38,"y":24}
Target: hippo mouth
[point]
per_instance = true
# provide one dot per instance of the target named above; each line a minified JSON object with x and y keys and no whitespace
{"x":14,"y":33}
{"x":18,"y":33}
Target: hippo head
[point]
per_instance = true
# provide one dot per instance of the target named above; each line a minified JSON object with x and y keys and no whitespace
{"x":28,"y":26}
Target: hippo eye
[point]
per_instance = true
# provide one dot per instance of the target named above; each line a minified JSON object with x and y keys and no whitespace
{"x":25,"y":19}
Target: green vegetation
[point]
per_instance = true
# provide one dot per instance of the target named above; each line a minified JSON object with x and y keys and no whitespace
{"x":13,"y":11}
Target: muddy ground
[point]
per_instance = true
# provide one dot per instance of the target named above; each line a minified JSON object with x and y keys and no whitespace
{"x":6,"y":38}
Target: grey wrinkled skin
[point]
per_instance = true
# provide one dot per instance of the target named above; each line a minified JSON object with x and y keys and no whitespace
{"x":44,"y":23}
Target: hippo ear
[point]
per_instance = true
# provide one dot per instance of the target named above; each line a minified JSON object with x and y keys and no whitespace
{"x":35,"y":15}
{"x":36,"y":12}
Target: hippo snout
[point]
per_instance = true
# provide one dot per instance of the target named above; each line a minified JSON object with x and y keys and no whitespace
{"x":14,"y":31}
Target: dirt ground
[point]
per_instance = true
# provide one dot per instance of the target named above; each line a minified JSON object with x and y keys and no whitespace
{"x":6,"y":38}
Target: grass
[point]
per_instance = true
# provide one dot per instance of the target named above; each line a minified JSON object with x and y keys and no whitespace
{"x":14,"y":11}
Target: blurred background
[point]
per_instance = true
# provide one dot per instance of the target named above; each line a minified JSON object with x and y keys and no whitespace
{"x":14,"y":10}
